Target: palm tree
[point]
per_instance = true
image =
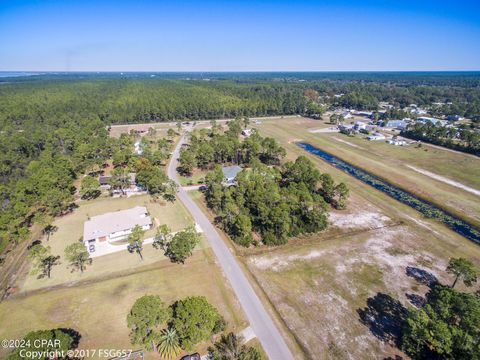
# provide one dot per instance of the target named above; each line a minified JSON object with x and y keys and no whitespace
{"x":230,"y":346}
{"x":168,"y":346}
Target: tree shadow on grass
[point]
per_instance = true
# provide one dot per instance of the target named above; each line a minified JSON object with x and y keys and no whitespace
{"x":76,"y":336}
{"x":416,"y":300}
{"x":385,"y":317}
{"x":422,"y":276}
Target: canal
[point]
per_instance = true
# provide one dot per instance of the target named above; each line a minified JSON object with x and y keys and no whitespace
{"x":424,"y":207}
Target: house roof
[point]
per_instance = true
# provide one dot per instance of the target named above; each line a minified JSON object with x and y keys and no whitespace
{"x":111,"y":222}
{"x":104,"y":179}
{"x":230,"y":172}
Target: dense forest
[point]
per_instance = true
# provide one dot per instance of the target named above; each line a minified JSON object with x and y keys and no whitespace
{"x":54,"y":127}
{"x":461,"y":139}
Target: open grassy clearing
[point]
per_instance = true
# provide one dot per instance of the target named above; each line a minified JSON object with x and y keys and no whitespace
{"x":98,"y":309}
{"x":319,"y":284}
{"x":70,"y":230}
{"x":161,"y":128}
{"x":392,"y":163}
{"x":198,"y":177}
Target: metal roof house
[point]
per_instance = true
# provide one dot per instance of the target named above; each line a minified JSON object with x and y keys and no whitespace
{"x":230,"y":173}
{"x":434,"y":121}
{"x":112,"y":227}
{"x":400,"y":124}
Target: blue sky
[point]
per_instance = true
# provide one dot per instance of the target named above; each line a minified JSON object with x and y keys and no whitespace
{"x":239,"y":35}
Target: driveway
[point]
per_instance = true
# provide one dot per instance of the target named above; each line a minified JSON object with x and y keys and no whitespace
{"x":260,"y":321}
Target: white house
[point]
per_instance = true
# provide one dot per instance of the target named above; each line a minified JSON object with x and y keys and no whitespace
{"x":364,"y":113}
{"x":247,"y":132}
{"x":397,"y":142}
{"x":114,"y":227}
{"x":359,"y":125}
{"x":137,"y":148}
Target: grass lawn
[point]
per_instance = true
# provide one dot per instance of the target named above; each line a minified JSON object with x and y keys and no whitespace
{"x":98,"y":310}
{"x":70,"y":230}
{"x":391,"y":163}
{"x":198,"y":177}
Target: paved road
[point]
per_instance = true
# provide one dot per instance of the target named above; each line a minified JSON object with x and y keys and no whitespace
{"x":260,"y":321}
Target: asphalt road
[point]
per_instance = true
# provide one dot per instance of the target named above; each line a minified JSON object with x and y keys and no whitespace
{"x":260,"y":321}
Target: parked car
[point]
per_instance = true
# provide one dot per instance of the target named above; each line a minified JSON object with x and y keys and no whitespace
{"x":195,"y":356}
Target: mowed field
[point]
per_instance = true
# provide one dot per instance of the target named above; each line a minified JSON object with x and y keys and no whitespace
{"x":424,"y":171}
{"x":70,"y":230}
{"x":336,"y":290}
{"x":98,"y":309}
{"x":96,"y":302}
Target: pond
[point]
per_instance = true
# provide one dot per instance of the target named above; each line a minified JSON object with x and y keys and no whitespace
{"x":429,"y":210}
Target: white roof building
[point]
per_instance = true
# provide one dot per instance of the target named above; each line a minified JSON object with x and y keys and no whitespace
{"x":425,"y":119}
{"x":114,"y":226}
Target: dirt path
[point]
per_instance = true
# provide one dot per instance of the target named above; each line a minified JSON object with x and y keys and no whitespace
{"x":347,"y":143}
{"x":14,"y":264}
{"x":445,"y":180}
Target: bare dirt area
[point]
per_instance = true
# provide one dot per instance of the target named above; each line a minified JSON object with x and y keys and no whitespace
{"x":320,"y":291}
{"x":341,"y":292}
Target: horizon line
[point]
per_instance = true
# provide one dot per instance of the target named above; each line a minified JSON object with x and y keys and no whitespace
{"x":232,"y":71}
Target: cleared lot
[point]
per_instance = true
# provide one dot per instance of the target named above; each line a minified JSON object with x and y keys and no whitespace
{"x":70,"y":230}
{"x":98,"y":309}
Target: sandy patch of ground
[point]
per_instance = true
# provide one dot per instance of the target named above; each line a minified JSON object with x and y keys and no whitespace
{"x":347,"y":143}
{"x":445,"y":180}
{"x":332,"y":129}
{"x":319,"y":289}
{"x":361,"y":219}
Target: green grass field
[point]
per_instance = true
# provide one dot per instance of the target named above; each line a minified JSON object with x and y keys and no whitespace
{"x":98,"y":309}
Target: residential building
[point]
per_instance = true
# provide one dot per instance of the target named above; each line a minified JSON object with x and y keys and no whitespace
{"x":364,"y":113}
{"x":104,"y":181}
{"x":397,"y":142}
{"x":376,"y":136}
{"x":434,"y":121}
{"x":399,"y":124}
{"x":137,"y":148}
{"x":114,"y":227}
{"x":359,"y":125}
{"x":247,"y":132}
{"x":230,"y":173}
{"x":454,"y":118}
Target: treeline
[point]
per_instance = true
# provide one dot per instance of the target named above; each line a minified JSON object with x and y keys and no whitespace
{"x":52,"y":128}
{"x":38,"y":166}
{"x":117,"y":101}
{"x":213,"y":146}
{"x":461,"y":139}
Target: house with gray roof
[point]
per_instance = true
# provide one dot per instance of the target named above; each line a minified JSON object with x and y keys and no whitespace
{"x":114,"y":227}
{"x":230,"y":173}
